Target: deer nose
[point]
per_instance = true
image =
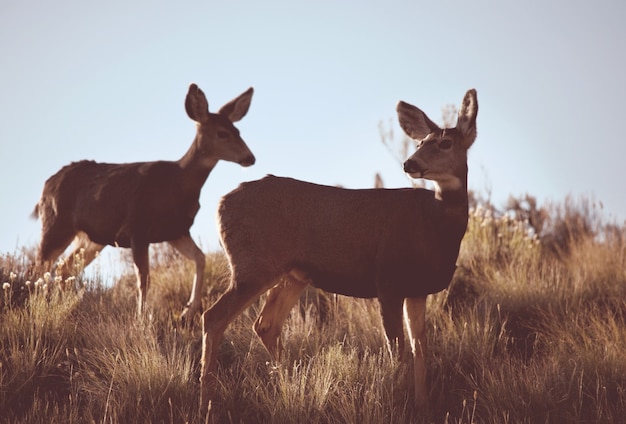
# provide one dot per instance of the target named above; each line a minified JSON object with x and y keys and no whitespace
{"x":414,"y":169}
{"x":248,"y":161}
{"x":410,"y":166}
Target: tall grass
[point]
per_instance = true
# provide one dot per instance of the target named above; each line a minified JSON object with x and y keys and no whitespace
{"x":529,"y":331}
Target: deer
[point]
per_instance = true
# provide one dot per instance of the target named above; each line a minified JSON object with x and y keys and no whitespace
{"x":132,"y":205}
{"x":397,"y":245}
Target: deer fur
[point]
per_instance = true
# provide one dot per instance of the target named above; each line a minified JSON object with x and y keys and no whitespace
{"x":135,"y":204}
{"x":397,"y":245}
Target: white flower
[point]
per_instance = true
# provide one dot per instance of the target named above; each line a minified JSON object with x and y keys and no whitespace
{"x":12,"y":276}
{"x":27,"y":283}
{"x":39,"y":282}
{"x":6,"y":286}
{"x":47,"y":276}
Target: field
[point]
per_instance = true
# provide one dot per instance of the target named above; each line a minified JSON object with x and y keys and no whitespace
{"x":532,"y":329}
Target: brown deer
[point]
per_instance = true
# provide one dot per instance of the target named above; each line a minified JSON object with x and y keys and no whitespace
{"x":135,"y":204}
{"x":397,"y":245}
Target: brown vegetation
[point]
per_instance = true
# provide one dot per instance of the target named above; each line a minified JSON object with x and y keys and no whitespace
{"x":522,"y":335}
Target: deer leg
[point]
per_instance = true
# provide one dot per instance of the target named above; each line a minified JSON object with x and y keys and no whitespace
{"x":238,"y":297}
{"x":415,"y":320}
{"x":391,"y":310}
{"x":54,"y":241}
{"x":189,"y":249}
{"x":142,"y":271}
{"x":85,"y":252}
{"x":279,"y":302}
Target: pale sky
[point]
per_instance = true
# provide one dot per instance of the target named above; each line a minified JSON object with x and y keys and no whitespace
{"x":107,"y":81}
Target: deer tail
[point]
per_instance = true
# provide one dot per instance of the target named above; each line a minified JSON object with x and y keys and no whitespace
{"x":35,"y":214}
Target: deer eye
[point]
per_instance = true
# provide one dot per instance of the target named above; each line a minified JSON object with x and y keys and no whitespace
{"x":445,"y":144}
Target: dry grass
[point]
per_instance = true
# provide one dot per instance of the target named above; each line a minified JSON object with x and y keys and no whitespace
{"x":524,"y":334}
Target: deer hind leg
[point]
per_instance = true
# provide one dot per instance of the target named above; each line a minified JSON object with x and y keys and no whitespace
{"x":189,"y":249}
{"x":55,"y":238}
{"x":53,"y":244}
{"x":240,"y":295}
{"x":415,"y":320}
{"x":281,"y":298}
{"x":85,"y":251}
{"x":142,"y":271}
{"x":391,"y":310}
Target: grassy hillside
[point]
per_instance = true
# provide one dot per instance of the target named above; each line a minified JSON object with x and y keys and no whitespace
{"x":532,"y":329}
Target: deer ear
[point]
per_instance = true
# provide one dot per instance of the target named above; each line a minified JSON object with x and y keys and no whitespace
{"x":466,"y":123}
{"x":237,"y":108}
{"x":196,"y":104}
{"x":414,"y":122}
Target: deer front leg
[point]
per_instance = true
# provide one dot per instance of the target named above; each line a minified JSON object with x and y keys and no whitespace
{"x":415,"y":320}
{"x":189,"y":249}
{"x":142,"y":271}
{"x":391,"y":310}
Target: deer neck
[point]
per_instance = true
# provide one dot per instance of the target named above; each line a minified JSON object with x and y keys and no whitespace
{"x":455,"y":206}
{"x":197,"y":164}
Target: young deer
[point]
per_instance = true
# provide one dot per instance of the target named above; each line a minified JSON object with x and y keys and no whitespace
{"x":135,"y":204}
{"x":397,"y":245}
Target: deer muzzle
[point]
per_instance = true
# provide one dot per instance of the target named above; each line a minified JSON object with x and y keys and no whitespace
{"x":413,"y":168}
{"x":248,"y":160}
